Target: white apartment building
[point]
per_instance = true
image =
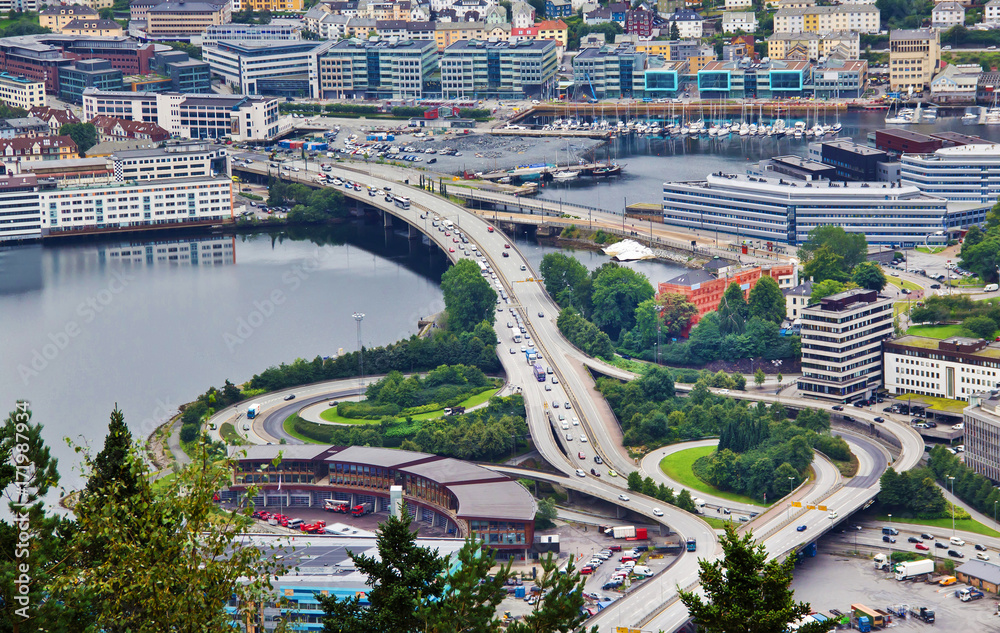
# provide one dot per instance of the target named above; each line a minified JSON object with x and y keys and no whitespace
{"x":982,"y":434}
{"x":186,"y":159}
{"x":842,"y":345}
{"x":20,"y":219}
{"x":262,"y":67}
{"x":122,"y":205}
{"x":967,"y":173}
{"x":197,"y":116}
{"x":250,"y":33}
{"x":946,"y":15}
{"x":21,"y":92}
{"x":736,"y":5}
{"x":816,"y":45}
{"x":784,"y":210}
{"x":733,"y":21}
{"x":954,"y":368}
{"x":991,"y":12}
{"x":860,"y":18}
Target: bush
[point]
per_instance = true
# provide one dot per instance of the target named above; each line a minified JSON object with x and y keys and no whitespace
{"x":356,"y":410}
{"x":584,"y":334}
{"x":189,"y":432}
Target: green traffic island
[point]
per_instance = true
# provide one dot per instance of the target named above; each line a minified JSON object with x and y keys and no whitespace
{"x":353,"y":413}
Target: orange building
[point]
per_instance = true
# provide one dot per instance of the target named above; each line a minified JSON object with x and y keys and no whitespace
{"x":705,"y":290}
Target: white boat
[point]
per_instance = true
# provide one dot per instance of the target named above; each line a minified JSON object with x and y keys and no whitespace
{"x":929,"y":115}
{"x":837,"y":127}
{"x":969,"y":117}
{"x":565,"y":175}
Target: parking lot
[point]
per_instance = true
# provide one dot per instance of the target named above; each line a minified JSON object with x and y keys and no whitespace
{"x":833,"y":580}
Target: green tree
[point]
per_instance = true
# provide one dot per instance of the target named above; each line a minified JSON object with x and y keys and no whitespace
{"x":825,"y":264}
{"x":825,"y":289}
{"x":733,"y":310}
{"x":468,"y":297}
{"x":83,"y":134}
{"x":744,"y":591}
{"x":401,"y":578}
{"x":647,"y":322}
{"x":984,"y":257}
{"x":657,"y":384}
{"x":759,"y":377}
{"x":767,"y":301}
{"x":112,"y":464}
{"x":852,"y":247}
{"x":677,"y":313}
{"x":546,"y":514}
{"x":617,"y":292}
{"x":635,"y":481}
{"x":468,"y":603}
{"x":981,"y":326}
{"x":685,"y":502}
{"x":973,"y":236}
{"x":561,"y":608}
{"x":869,"y":275}
{"x":675,"y":33}
{"x":649,"y":487}
{"x":566,"y":280}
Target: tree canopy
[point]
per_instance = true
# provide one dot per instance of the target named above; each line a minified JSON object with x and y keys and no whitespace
{"x":83,"y":134}
{"x":618,"y":291}
{"x":468,"y":297}
{"x":852,"y":247}
{"x":869,"y":275}
{"x":767,"y":301}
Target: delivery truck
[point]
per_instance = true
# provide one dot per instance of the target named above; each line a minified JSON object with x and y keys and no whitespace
{"x":253,"y":410}
{"x":911,"y":569}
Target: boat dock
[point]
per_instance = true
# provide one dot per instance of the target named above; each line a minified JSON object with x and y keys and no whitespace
{"x":554,"y":172}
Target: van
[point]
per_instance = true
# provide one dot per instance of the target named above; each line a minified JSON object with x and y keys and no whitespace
{"x":890,"y":531}
{"x":991,"y":288}
{"x":956,"y":541}
{"x":295,"y":524}
{"x":642,"y":570}
{"x":947,"y":580}
{"x":517,"y":338}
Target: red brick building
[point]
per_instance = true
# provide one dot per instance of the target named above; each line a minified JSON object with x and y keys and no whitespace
{"x":705,"y":290}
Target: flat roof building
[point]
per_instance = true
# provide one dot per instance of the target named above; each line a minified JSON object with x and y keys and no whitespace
{"x":967,"y":173}
{"x":852,"y":161}
{"x":744,"y":78}
{"x":612,"y":72}
{"x":279,"y":68}
{"x":21,"y":92}
{"x":88,"y":73}
{"x":181,"y":18}
{"x":22,"y":216}
{"x":784,"y":210}
{"x":375,"y":69}
{"x":953,"y":368}
{"x":794,"y":167}
{"x":245,"y":33}
{"x":467,"y":499}
{"x":981,"y":421}
{"x":817,"y":19}
{"x":842,"y":344}
{"x":913,"y":58}
{"x":506,"y":70}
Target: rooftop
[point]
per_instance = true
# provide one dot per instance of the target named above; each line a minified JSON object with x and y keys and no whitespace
{"x":991,"y":351}
{"x":824,"y":188}
{"x":802,"y":290}
{"x":857,"y":148}
{"x":186,"y":7}
{"x":691,"y":278}
{"x":846,"y":8}
{"x":103,"y":25}
{"x":520,"y":45}
{"x":802,"y":163}
{"x":911,"y":34}
{"x":982,"y":570}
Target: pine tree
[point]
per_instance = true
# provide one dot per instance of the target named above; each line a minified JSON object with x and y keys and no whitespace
{"x":111,"y":465}
{"x":560,"y":610}
{"x":468,"y":603}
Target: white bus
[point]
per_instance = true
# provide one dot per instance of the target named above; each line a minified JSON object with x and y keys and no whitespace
{"x":402,"y":202}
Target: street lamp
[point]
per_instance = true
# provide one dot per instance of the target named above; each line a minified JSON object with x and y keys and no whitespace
{"x":890,"y":541}
{"x":359,"y":316}
{"x":951,"y":480}
{"x":790,"y":480}
{"x":994,"y":513}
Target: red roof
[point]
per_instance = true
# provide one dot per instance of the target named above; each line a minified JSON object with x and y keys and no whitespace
{"x":549,"y":25}
{"x":132,"y":129}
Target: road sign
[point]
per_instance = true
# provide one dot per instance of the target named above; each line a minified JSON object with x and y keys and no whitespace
{"x":796,"y":504}
{"x":823,"y":508}
{"x":810,"y":507}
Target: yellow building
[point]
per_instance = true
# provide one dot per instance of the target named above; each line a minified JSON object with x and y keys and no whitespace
{"x":57,"y":17}
{"x":654,"y":47}
{"x":553,"y":30}
{"x":97,"y":28}
{"x":914,"y":55}
{"x":273,"y":5}
{"x":20,"y":92}
{"x":447,"y":33}
{"x":699,"y":61}
{"x":186,"y":18}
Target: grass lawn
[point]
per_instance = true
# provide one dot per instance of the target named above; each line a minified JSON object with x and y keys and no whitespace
{"x":966,"y":525}
{"x":935,"y":331}
{"x":936,"y":404}
{"x":716,"y":523}
{"x":847,"y":468}
{"x":677,"y":466}
{"x":157,"y":484}
{"x":902,"y":283}
{"x":330,"y":414}
{"x":289,"y":427}
{"x":229,"y":434}
{"x":932,"y":250}
{"x":629,"y":364}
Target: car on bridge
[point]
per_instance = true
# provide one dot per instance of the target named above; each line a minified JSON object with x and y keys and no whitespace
{"x":801,"y":528}
{"x":657,"y":512}
{"x":582,"y":455}
{"x":922,"y":547}
{"x":580,"y":473}
{"x":623,"y":497}
{"x":913,"y":539}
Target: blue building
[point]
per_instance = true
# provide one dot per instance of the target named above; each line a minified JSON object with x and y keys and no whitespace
{"x":87,"y":73}
{"x":558,"y":8}
{"x":746,"y":79}
{"x":189,"y":76}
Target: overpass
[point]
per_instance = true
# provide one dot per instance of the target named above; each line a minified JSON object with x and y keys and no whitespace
{"x":653,"y":605}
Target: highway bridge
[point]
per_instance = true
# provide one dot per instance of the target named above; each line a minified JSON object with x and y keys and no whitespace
{"x":653,"y":605}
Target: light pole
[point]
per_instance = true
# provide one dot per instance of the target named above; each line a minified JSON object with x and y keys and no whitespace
{"x":951,"y":480}
{"x":790,"y":480}
{"x":890,"y":541}
{"x":994,"y":513}
{"x":359,"y":316}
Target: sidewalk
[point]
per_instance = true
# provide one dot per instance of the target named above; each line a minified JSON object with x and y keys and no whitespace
{"x":977,"y":516}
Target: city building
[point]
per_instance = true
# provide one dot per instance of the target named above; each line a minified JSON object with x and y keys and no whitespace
{"x":87,"y":73}
{"x":56,"y":17}
{"x":991,"y":12}
{"x":852,"y":161}
{"x":114,"y":129}
{"x":21,"y":92}
{"x":129,"y":205}
{"x":465,"y":499}
{"x":745,"y":79}
{"x":272,"y":5}
{"x":239,"y":117}
{"x":448,"y":33}
{"x":796,"y":299}
{"x":375,"y":69}
{"x":17,"y":150}
{"x":71,"y":171}
{"x":522,"y":15}
{"x":981,"y":432}
{"x":662,"y":79}
{"x":93,"y":28}
{"x":506,"y":70}
{"x":736,"y":5}
{"x":956,"y":84}
{"x":54,"y":117}
{"x":781,"y":210}
{"x":21,"y":217}
{"x":834,"y":78}
{"x":814,"y":45}
{"x":913,"y":57}
{"x":945,"y":15}
{"x":641,"y":21}
{"x":244,"y":33}
{"x":612,"y":72}
{"x":966,"y":173}
{"x":558,"y":9}
{"x":185,"y":19}
{"x":705,"y":290}
{"x":794,"y":167}
{"x":987,"y":87}
{"x":842,"y":339}
{"x":180,"y":73}
{"x":545,"y":30}
{"x":690,"y":25}
{"x":176,"y":159}
{"x":29,"y":127}
{"x":614,"y":12}
{"x":953,"y":368}
{"x":977,"y":573}
{"x":897,"y":141}
{"x":733,"y":21}
{"x":860,"y":18}
{"x":273,"y":68}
